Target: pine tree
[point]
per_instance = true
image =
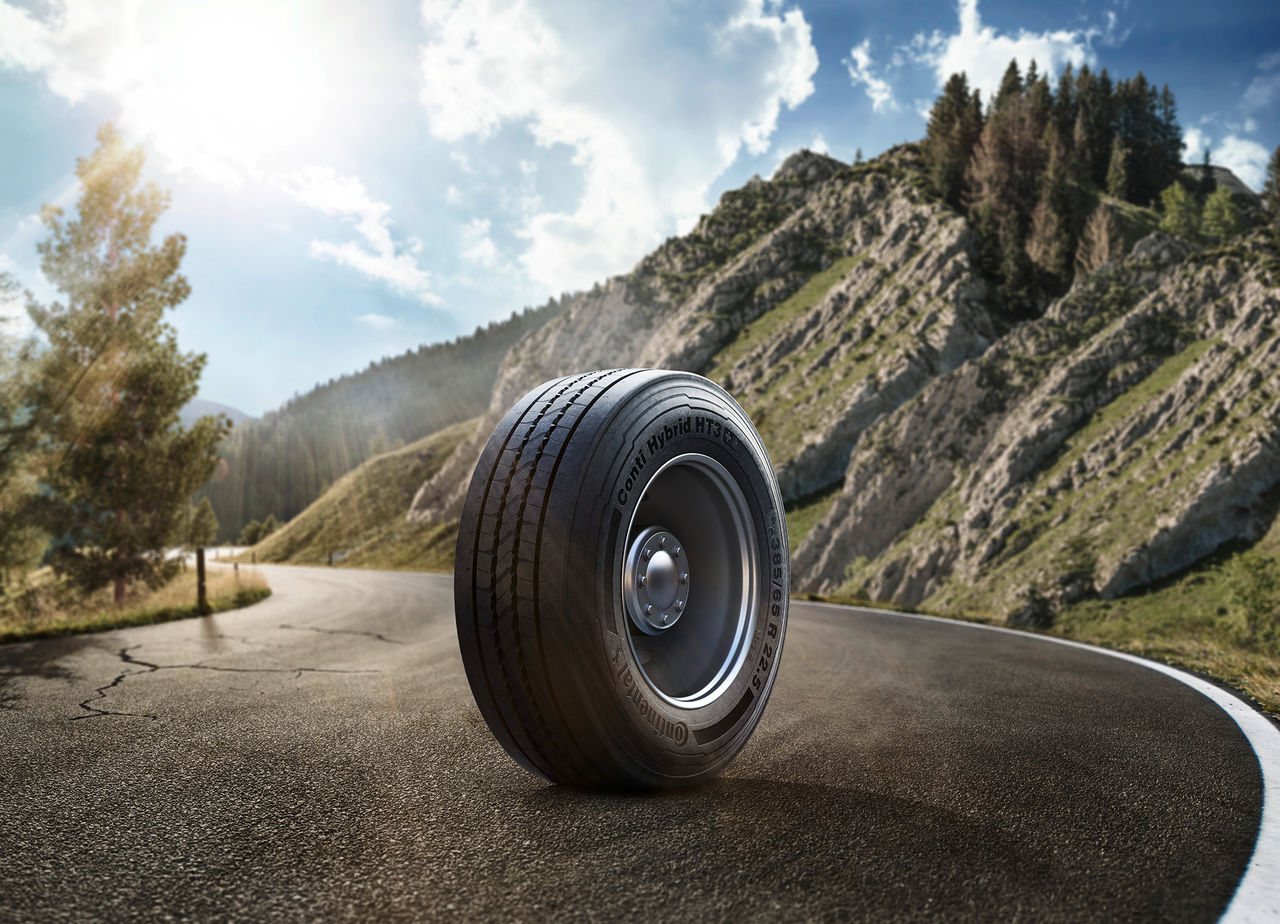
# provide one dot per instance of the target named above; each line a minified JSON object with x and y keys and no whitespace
{"x":269,"y":526}
{"x":1181,"y":213}
{"x":251,"y":533}
{"x":1100,"y":243}
{"x":1271,"y":189}
{"x":1221,"y":220}
{"x":1010,"y":88}
{"x":204,"y":526}
{"x":1207,"y":182}
{"x":1053,"y":222}
{"x":1118,"y":171}
{"x":120,"y":468}
{"x":857,"y":157}
{"x":953,"y":130}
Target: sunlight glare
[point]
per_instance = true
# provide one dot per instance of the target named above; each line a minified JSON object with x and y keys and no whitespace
{"x":233,"y":86}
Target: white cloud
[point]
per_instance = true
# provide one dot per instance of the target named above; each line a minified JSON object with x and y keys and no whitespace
{"x":819,"y":144}
{"x":228,"y":92}
{"x":1250,"y":125}
{"x":24,"y":42}
{"x":983,"y":54}
{"x":375,"y":252}
{"x":1262,"y":90}
{"x":1196,"y":142}
{"x":462,"y":161}
{"x":477,"y":245}
{"x":859,"y":65}
{"x":652,"y":106}
{"x":1244,"y":157}
{"x":377,"y":321}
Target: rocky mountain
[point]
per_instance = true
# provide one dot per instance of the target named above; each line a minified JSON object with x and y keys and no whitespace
{"x":969,"y":460}
{"x":822,"y":298}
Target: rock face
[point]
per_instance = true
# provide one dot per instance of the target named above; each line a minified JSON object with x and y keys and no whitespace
{"x":1116,"y":440}
{"x":825,"y":296}
{"x":970,"y":463}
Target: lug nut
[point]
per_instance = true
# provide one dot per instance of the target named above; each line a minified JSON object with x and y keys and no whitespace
{"x":662,"y":541}
{"x":641,"y":580}
{"x":648,"y":609}
{"x":648,"y":554}
{"x":665,"y":617}
{"x":680,"y":605}
{"x":684,"y":577}
{"x":676,"y":550}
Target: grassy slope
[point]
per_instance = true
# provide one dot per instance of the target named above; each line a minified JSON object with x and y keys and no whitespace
{"x":1188,"y":621}
{"x":96,"y":613}
{"x":361,"y":521}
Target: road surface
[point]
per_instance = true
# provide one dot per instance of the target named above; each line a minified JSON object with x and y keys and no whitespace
{"x":319,"y":756}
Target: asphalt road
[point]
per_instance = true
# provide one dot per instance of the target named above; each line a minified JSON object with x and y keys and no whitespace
{"x":319,"y":756}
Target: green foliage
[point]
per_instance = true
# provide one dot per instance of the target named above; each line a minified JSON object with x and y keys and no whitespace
{"x":1271,"y":188}
{"x":1118,"y":171}
{"x":282,"y":462}
{"x":118,"y":468}
{"x":251,"y":533}
{"x":1254,"y":579}
{"x":1221,"y":217}
{"x":955,"y":123}
{"x":1181,"y":213}
{"x":269,"y":526}
{"x":204,"y":525}
{"x":360,"y":521}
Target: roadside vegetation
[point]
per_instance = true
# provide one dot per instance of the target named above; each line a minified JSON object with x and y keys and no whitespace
{"x":49,"y":607}
{"x":360,"y":522}
{"x":1219,"y":619}
{"x":97,"y":471}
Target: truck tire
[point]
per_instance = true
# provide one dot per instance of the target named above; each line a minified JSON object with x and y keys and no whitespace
{"x":622,"y":578}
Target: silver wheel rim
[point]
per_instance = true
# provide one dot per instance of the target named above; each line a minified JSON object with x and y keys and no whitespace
{"x":693,"y":525}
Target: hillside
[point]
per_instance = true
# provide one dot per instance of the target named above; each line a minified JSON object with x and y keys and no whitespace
{"x":359,"y":521}
{"x":935,"y":450}
{"x":282,"y":462}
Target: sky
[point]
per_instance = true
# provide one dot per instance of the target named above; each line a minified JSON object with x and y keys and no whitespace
{"x":358,"y":179}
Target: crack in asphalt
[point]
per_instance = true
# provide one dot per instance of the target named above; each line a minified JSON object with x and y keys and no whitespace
{"x":374,"y":635}
{"x":147,"y":667}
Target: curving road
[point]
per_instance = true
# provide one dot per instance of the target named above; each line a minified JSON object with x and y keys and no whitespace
{"x":319,"y":756}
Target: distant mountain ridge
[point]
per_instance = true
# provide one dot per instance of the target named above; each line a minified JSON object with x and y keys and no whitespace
{"x":278,"y":464}
{"x":202,"y":407}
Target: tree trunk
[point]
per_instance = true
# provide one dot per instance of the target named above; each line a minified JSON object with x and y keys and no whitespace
{"x":119,"y":592}
{"x":202,"y":600}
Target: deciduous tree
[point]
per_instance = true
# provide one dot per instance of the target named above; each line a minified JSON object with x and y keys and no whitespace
{"x":1221,"y":219}
{"x":1181,"y":213}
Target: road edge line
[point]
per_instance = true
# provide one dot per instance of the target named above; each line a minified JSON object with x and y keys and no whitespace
{"x":1257,"y":895}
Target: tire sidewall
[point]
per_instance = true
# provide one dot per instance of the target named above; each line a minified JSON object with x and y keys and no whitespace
{"x":663,"y":416}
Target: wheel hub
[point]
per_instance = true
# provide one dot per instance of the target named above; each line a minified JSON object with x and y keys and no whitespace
{"x":655,"y":580}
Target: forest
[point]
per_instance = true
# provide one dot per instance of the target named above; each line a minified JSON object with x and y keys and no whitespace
{"x":277,"y":465}
{"x":1041,"y":172}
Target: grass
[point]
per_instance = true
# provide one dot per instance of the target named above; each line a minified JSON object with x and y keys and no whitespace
{"x":359,"y":522}
{"x":765,"y":327}
{"x":1186,"y":621}
{"x":803,"y":515}
{"x":49,"y":609}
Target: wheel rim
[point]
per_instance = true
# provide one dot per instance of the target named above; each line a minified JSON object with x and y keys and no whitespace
{"x":689,"y":580}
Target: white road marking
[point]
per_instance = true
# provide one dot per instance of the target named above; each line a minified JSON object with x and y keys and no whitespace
{"x":1257,"y":897}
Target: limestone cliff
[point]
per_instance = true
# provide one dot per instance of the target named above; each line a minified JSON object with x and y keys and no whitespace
{"x":969,"y":460}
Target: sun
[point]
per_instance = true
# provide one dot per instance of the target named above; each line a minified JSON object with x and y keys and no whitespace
{"x":228,"y":88}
